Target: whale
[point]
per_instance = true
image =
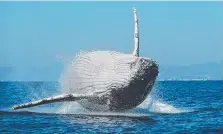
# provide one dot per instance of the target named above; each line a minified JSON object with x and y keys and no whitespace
{"x":107,"y":80}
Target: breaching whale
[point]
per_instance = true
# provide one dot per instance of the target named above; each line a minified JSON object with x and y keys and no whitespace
{"x":107,"y":80}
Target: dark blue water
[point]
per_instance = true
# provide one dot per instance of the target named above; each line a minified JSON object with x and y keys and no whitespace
{"x":172,"y":107}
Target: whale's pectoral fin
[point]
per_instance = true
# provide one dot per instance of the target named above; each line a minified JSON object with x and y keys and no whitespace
{"x":136,"y":34}
{"x":59,"y":98}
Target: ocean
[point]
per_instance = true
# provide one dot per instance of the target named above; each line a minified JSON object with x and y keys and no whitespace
{"x":171,"y":107}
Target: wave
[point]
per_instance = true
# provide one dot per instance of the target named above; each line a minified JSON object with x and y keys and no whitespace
{"x":137,"y":112}
{"x":83,"y":115}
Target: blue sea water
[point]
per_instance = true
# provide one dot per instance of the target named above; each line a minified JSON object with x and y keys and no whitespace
{"x":171,"y":107}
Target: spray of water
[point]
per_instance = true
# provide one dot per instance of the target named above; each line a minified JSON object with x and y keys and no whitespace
{"x":155,"y":105}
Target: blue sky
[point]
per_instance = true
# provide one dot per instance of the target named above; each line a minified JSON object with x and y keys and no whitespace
{"x":173,"y":33}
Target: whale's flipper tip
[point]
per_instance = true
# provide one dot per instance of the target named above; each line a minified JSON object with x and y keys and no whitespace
{"x":134,"y":8}
{"x":136,"y":34}
{"x":59,"y":98}
{"x":15,"y":107}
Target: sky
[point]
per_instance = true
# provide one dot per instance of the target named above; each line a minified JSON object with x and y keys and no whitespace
{"x":41,"y":34}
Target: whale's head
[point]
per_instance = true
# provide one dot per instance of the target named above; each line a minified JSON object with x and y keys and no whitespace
{"x":148,"y":68}
{"x":143,"y":80}
{"x":143,"y":76}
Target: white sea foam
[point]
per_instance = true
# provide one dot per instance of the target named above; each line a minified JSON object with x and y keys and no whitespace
{"x":155,"y":103}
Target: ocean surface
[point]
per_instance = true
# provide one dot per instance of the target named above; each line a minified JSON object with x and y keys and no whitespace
{"x":171,"y":107}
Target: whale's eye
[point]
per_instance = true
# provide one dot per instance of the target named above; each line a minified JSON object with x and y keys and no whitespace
{"x":143,"y":61}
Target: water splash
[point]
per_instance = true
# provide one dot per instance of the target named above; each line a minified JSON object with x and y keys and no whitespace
{"x":155,"y":104}
{"x":71,"y":108}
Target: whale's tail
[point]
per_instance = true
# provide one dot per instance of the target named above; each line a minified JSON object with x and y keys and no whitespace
{"x":59,"y":98}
